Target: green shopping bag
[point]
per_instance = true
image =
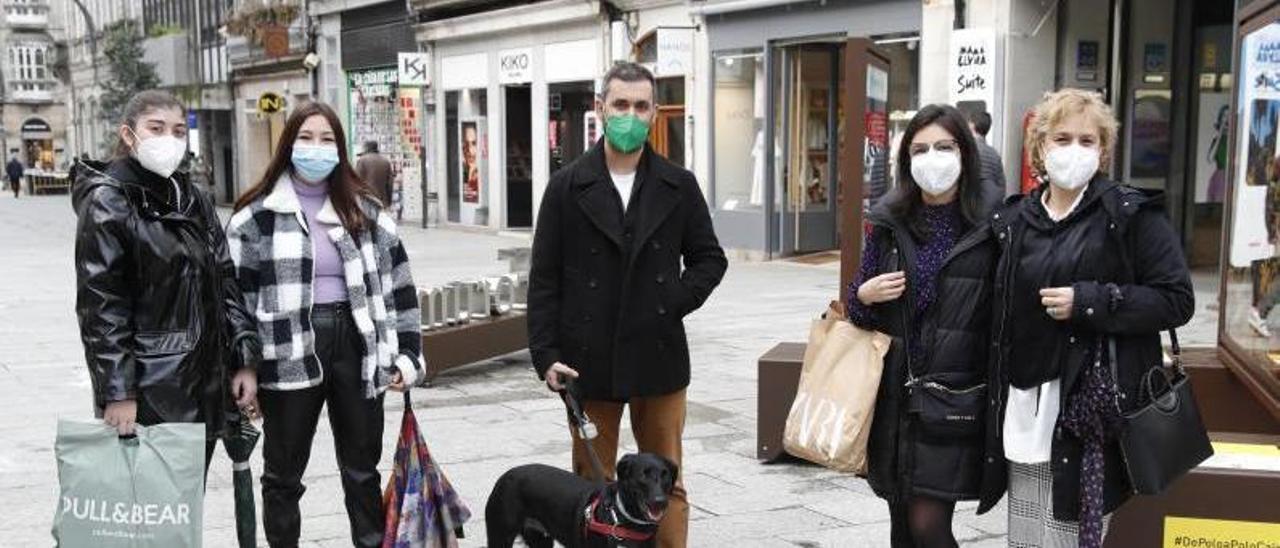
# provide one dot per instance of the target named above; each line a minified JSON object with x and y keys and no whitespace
{"x":140,"y":492}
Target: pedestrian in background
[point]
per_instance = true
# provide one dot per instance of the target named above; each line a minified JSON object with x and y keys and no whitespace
{"x":13,"y":171}
{"x":332,"y":339}
{"x":160,"y":313}
{"x":375,"y":170}
{"x":992,"y":165}
{"x":1083,"y":260}
{"x":607,"y":294}
{"x":926,"y":281}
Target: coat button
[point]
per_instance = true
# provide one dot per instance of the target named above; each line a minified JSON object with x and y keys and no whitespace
{"x":996,"y":216}
{"x":1071,"y":339}
{"x":660,"y":279}
{"x":595,"y":251}
{"x":1001,"y":235}
{"x":592,"y":284}
{"x":662,"y":310}
{"x":657,"y":245}
{"x":1064,"y":460}
{"x":1088,"y":311}
{"x":991,"y":459}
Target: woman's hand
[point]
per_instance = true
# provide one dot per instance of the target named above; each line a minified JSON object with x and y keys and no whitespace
{"x":883,"y":288}
{"x":244,"y":387}
{"x":1058,"y":302}
{"x":397,"y":382}
{"x":122,"y":415}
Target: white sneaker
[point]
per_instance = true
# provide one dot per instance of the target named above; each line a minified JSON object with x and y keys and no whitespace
{"x":1258,"y":323}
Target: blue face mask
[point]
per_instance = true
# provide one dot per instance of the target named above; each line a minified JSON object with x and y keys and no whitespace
{"x":314,"y":163}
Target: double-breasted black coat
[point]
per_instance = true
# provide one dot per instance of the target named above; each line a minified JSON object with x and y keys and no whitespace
{"x":607,"y":290}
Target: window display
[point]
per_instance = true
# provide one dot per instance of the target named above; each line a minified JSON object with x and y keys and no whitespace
{"x":739,"y":131}
{"x":1252,"y":278}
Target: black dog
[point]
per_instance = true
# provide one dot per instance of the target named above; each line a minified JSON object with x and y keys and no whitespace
{"x":577,"y":512}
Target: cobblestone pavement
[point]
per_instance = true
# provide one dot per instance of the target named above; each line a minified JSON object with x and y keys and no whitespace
{"x":480,"y":420}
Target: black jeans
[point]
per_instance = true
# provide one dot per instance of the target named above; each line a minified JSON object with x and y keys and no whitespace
{"x":289,"y":420}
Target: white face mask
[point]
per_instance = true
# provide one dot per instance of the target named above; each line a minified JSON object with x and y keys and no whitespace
{"x":1071,"y":167}
{"x":936,"y":172}
{"x":160,"y":154}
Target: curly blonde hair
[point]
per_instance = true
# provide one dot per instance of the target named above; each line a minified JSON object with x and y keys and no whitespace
{"x":1056,"y":107}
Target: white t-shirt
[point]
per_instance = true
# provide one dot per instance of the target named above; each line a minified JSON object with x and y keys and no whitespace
{"x":623,"y":182}
{"x":1031,"y":414}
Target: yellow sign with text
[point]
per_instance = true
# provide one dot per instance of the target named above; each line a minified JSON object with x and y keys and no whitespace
{"x":1219,"y":533}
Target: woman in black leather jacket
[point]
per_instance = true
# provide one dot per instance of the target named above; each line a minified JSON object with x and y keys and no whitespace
{"x":161,"y":316}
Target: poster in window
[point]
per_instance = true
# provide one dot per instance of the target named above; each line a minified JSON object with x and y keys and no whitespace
{"x":1212,"y":147}
{"x":875,"y":167}
{"x":1254,"y":230}
{"x":472,"y":149}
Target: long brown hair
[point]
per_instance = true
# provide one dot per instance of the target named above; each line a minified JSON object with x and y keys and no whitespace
{"x":346,"y":188}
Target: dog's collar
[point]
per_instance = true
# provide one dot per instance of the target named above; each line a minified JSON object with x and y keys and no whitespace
{"x":622,"y":509}
{"x":611,"y":530}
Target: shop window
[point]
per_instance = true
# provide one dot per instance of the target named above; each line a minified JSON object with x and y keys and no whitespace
{"x":739,"y":161}
{"x":1251,"y":304}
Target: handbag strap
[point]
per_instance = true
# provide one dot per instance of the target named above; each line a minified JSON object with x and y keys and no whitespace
{"x":1174,"y":348}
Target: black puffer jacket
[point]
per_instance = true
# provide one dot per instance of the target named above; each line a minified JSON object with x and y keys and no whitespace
{"x":1132,"y":246}
{"x":907,"y":454}
{"x":157,"y":301}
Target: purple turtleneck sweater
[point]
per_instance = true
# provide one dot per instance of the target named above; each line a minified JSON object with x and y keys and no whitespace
{"x":329,"y":284}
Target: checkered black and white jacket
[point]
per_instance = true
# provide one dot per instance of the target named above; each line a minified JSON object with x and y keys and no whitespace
{"x":271,"y":246}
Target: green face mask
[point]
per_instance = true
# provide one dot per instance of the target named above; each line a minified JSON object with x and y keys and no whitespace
{"x":626,"y":133}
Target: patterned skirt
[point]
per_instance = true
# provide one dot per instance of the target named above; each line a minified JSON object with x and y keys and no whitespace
{"x":1031,"y":523}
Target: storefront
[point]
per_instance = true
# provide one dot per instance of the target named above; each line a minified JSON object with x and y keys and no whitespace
{"x":265,"y":103}
{"x":511,"y":107}
{"x":35,"y":133}
{"x":780,"y":80}
{"x":379,"y":108}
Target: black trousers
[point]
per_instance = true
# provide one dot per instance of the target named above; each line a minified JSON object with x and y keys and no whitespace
{"x":289,"y":419}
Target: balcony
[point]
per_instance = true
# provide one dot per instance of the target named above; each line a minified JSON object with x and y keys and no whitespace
{"x":265,"y":34}
{"x":28,"y":14}
{"x":31,"y":91}
{"x":242,"y":53}
{"x":171,"y":55}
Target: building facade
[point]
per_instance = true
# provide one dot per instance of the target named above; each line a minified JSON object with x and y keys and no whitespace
{"x":34,"y":68}
{"x":87,"y":132}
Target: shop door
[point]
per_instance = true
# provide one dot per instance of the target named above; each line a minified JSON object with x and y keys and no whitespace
{"x":667,"y":137}
{"x":864,"y":147}
{"x":807,"y":131}
{"x":519,"y":156}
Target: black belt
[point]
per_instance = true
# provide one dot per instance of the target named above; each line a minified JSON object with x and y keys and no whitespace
{"x":336,"y":308}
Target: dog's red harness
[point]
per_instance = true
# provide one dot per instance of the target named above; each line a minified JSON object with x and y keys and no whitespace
{"x":613,"y":531}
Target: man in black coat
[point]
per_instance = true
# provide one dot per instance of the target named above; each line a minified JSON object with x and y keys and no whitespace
{"x":607,"y":294}
{"x":14,"y":171}
{"x":992,"y":166}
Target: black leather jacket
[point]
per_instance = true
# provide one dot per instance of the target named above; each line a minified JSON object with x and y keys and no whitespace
{"x":157,"y":302}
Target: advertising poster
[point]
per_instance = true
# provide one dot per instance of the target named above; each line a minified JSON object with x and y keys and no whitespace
{"x":875,"y":174}
{"x":1212,"y":147}
{"x":469,"y":136}
{"x":1253,"y":227}
{"x":1151,"y":136}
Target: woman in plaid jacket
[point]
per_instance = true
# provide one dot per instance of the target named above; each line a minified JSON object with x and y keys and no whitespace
{"x":322,"y":268}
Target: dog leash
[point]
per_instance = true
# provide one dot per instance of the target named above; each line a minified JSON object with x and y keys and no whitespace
{"x":585,"y":428}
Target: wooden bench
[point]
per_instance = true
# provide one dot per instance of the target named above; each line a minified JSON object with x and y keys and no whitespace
{"x":40,"y":183}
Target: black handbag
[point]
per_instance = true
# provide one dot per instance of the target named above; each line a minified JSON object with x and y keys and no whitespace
{"x":1165,"y":438}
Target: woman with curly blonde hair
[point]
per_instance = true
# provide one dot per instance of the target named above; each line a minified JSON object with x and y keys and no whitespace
{"x":1085,"y":262}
